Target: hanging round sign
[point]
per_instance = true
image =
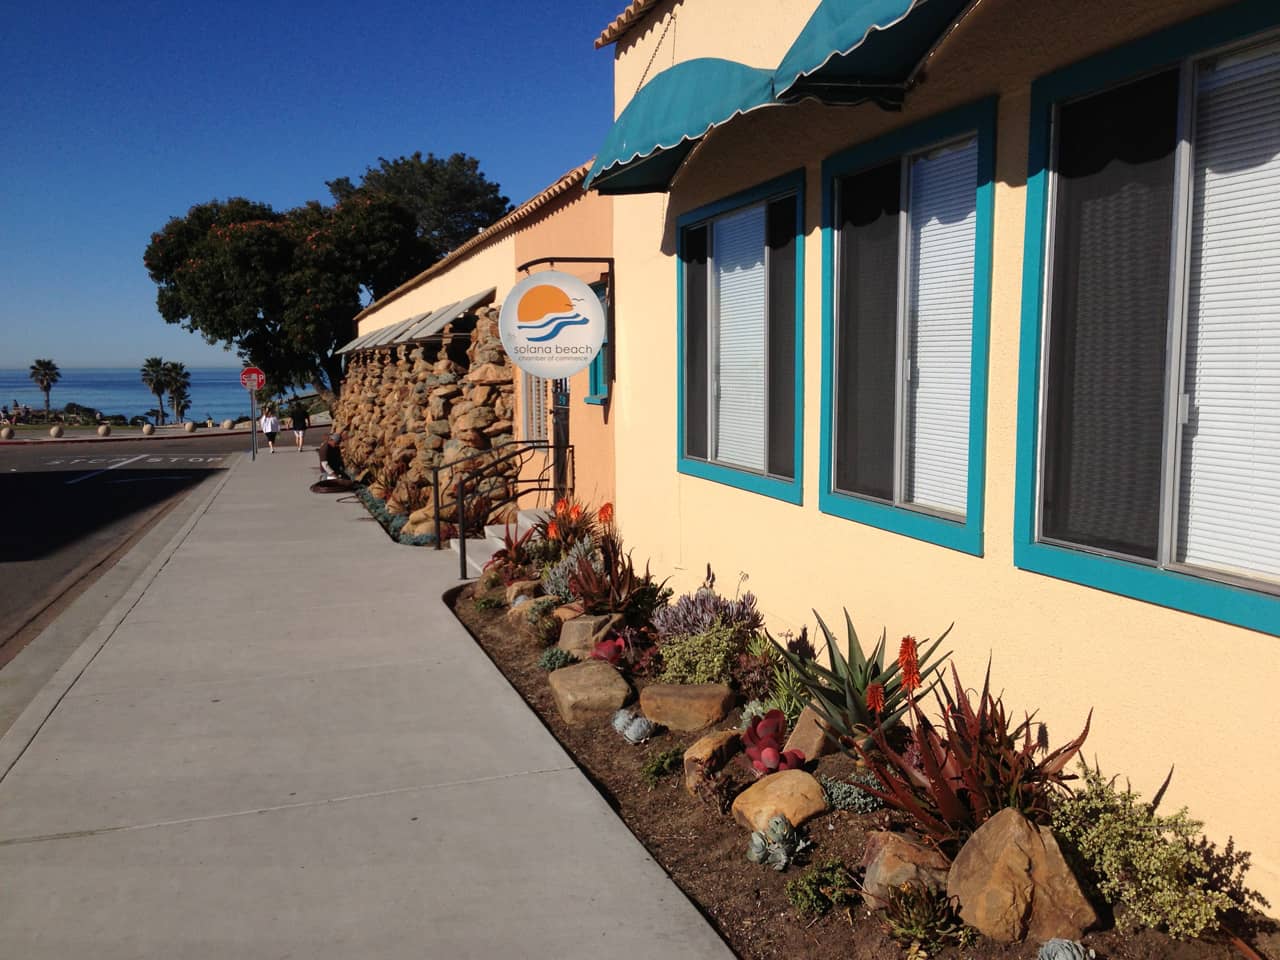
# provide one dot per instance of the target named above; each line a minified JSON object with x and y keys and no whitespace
{"x":552,"y":324}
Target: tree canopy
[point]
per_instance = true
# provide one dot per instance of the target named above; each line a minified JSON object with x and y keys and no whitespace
{"x":44,"y":374}
{"x":282,"y":287}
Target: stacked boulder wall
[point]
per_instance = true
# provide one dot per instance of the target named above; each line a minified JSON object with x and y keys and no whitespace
{"x":446,"y":402}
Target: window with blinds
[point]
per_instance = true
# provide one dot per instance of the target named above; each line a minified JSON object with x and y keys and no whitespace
{"x":906,"y":255}
{"x":1161,"y":435}
{"x":534,"y":406}
{"x":739,"y":274}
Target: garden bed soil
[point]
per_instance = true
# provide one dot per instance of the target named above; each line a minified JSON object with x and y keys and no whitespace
{"x":703,"y":850}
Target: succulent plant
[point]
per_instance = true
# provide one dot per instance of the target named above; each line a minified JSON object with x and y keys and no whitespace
{"x":633,"y":725}
{"x":851,"y":793}
{"x":553,"y":658}
{"x":1060,"y":949}
{"x":753,"y":710}
{"x":763,"y":743}
{"x":779,"y":846}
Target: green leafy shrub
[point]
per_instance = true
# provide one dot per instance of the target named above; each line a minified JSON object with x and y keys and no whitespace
{"x":1160,"y":868}
{"x":852,"y":793}
{"x":706,"y":657}
{"x":660,"y":764}
{"x":489,"y":602}
{"x":544,"y":626}
{"x":858,"y":693}
{"x":823,"y":886}
{"x":553,"y":658}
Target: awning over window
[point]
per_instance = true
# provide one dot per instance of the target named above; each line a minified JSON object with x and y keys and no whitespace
{"x":856,"y":50}
{"x":421,"y":326}
{"x":667,"y":117}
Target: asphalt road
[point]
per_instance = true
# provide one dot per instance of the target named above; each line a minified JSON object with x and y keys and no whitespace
{"x":70,"y":509}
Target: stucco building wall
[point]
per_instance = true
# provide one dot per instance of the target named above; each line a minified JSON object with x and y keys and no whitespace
{"x":1167,"y":687}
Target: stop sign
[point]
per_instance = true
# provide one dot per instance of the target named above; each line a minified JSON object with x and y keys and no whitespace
{"x":251,"y":378}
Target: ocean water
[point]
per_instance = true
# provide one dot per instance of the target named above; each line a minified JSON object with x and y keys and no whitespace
{"x":215,"y":392}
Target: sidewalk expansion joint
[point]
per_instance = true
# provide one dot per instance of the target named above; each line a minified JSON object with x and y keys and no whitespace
{"x":327,"y":801}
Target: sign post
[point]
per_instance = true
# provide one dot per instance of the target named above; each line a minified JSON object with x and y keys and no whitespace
{"x":552,"y":326}
{"x":253,"y":380}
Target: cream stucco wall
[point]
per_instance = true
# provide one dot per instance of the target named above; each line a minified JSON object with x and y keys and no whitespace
{"x":1166,"y":688}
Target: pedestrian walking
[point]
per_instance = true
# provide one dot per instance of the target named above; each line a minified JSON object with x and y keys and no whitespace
{"x":299,"y":421}
{"x":270,"y":426}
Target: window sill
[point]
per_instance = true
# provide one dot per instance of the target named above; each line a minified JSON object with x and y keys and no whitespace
{"x":787,"y":491}
{"x":596,"y":400}
{"x":1165,"y":588}
{"x":952,"y":534}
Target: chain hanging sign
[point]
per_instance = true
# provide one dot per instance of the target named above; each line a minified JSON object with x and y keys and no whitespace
{"x":552,"y":325}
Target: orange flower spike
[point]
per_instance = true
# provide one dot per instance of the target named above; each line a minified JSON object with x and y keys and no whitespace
{"x":910,"y":664}
{"x":875,"y":697}
{"x":575,"y":512}
{"x":553,"y":531}
{"x":562,"y":505}
{"x":606,"y":513}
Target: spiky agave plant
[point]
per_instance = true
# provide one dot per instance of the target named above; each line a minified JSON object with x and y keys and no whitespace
{"x":859,"y":693}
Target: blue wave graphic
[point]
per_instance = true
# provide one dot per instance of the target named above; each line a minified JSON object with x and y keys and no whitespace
{"x":555,"y":332}
{"x":549,"y":321}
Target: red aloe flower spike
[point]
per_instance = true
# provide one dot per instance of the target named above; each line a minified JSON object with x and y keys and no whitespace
{"x":562,"y":505}
{"x":875,"y":697}
{"x":908,"y":660}
{"x":553,"y":531}
{"x":575,"y":512}
{"x":605,"y":514}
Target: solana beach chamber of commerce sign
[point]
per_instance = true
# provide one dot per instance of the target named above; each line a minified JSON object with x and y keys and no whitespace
{"x":552,"y":324}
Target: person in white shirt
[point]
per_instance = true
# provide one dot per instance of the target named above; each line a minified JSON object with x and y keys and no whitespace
{"x":270,"y":426}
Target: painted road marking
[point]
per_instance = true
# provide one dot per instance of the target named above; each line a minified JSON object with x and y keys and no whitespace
{"x":120,"y":461}
{"x":105,"y":469}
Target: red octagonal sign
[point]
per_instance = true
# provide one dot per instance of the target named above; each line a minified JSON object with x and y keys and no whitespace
{"x":251,"y":378}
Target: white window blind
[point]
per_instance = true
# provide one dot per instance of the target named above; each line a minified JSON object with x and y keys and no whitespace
{"x":737,"y":250}
{"x":534,"y":407}
{"x":939,"y":330}
{"x":1229,"y":511}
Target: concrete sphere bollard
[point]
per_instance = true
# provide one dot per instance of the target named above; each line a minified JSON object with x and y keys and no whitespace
{"x":148,"y":429}
{"x":228,"y":424}
{"x":55,"y":431}
{"x":104,"y":430}
{"x":6,"y":433}
{"x":189,"y":426}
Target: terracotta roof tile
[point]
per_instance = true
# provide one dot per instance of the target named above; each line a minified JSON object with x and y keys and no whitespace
{"x":628,"y":18}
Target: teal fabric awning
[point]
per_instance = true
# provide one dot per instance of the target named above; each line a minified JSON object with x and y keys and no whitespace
{"x":856,"y":50}
{"x":668,"y":116}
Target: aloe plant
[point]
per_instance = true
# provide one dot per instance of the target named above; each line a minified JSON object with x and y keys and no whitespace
{"x":839,"y":693}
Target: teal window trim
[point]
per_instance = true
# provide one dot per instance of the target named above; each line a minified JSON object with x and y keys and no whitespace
{"x":790,"y":491}
{"x":964,"y":536}
{"x":598,"y":371}
{"x":1179,"y":591}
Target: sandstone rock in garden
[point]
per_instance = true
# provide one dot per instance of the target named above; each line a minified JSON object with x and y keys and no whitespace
{"x":707,"y":756}
{"x":793,"y":793}
{"x":580,"y":635}
{"x":890,"y":860}
{"x":588,"y":691}
{"x":522,"y":588}
{"x":1012,"y":882}
{"x":104,"y":430}
{"x":567,"y":612}
{"x":686,"y":706}
{"x":810,"y":736}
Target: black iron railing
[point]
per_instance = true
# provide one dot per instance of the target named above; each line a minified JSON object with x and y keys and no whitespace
{"x":508,"y":467}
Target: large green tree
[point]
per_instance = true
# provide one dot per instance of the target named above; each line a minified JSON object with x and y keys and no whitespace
{"x":282,"y":287}
{"x":44,"y":374}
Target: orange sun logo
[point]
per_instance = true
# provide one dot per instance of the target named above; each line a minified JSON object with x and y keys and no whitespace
{"x":542,"y":301}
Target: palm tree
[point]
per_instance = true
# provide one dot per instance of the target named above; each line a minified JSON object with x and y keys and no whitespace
{"x":153,"y":379}
{"x":178,"y":382}
{"x":45,"y":373}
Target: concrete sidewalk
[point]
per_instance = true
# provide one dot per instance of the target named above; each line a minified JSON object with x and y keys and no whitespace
{"x":284,"y":745}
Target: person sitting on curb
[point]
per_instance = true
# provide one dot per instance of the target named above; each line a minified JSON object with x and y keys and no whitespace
{"x":331,"y":457}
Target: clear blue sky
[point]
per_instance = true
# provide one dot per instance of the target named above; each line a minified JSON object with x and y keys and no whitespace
{"x":116,"y":116}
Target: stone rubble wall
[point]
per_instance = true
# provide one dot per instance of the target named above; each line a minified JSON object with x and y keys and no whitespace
{"x":418,"y":406}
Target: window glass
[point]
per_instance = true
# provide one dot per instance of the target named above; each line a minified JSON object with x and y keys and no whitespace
{"x":695,"y":342}
{"x":781,"y":241}
{"x":739,"y":271}
{"x":1109,"y":315}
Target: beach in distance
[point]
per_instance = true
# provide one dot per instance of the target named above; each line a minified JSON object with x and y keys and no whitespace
{"x":215,"y":392}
